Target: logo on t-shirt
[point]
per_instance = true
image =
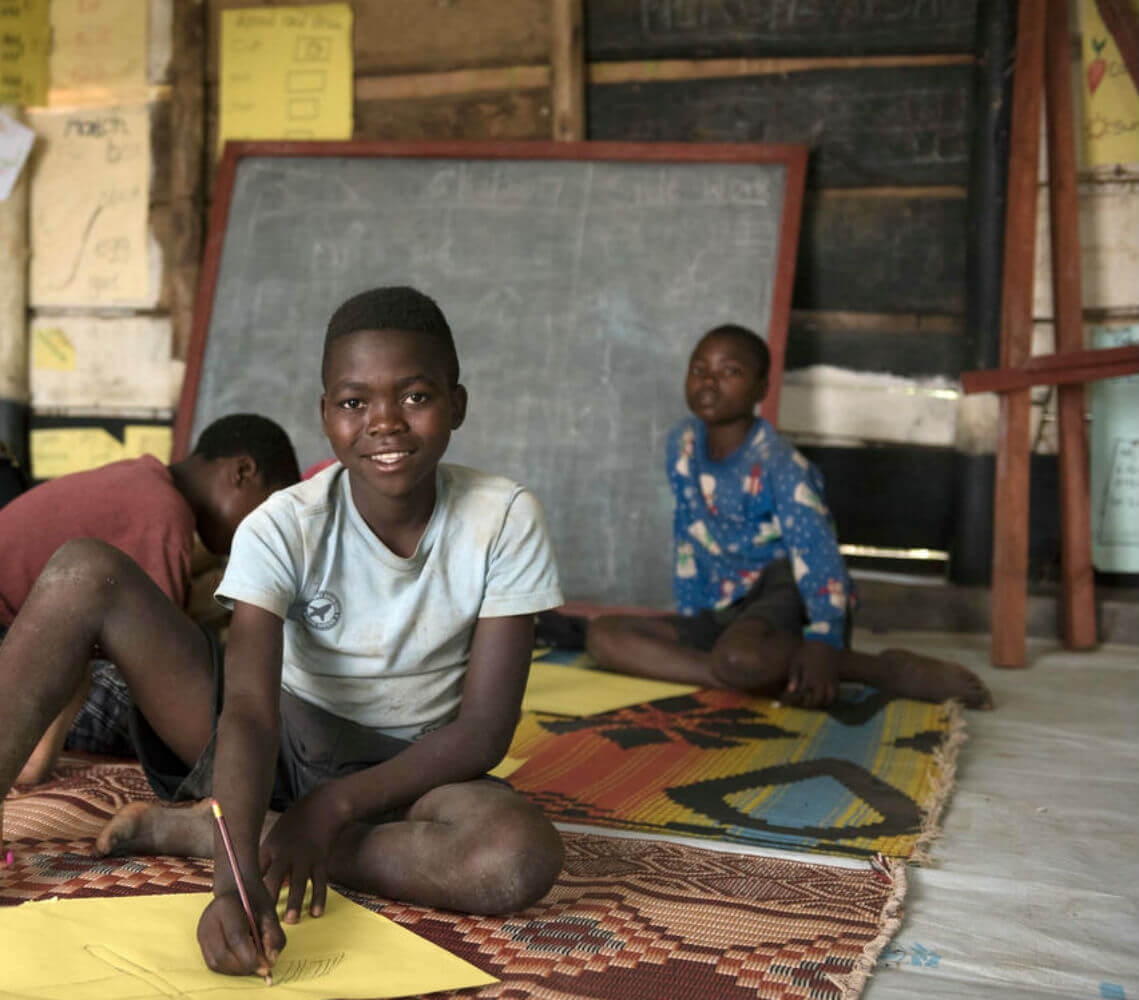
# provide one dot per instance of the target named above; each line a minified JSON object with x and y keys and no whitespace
{"x":322,"y":611}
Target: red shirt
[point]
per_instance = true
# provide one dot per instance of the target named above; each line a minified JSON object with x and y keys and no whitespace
{"x":133,"y":505}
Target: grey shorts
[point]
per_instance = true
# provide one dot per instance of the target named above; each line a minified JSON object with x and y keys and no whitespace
{"x":774,"y":597}
{"x":315,"y":747}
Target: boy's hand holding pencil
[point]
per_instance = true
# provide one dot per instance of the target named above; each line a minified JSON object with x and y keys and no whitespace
{"x":239,"y":932}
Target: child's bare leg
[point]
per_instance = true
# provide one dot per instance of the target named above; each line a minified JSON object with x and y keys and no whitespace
{"x":476,"y":847}
{"x":92,"y":594}
{"x":183,"y":831}
{"x":753,"y":655}
{"x":910,"y":675}
{"x":648,"y":647}
{"x":42,"y":762}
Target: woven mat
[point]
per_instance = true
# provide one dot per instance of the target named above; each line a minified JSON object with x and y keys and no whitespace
{"x":629,"y":919}
{"x":869,"y":775}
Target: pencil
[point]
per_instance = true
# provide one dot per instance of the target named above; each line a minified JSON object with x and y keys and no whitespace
{"x":228,"y":844}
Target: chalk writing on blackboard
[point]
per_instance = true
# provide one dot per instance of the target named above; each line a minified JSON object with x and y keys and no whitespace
{"x":782,"y":18}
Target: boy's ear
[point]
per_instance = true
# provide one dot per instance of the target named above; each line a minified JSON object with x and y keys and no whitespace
{"x":764,"y":384}
{"x":243,"y":470}
{"x":458,"y":406}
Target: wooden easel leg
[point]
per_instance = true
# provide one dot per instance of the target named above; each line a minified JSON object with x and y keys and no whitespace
{"x":1063,"y":199}
{"x":1010,"y":531}
{"x":1075,"y":522}
{"x":1010,"y":516}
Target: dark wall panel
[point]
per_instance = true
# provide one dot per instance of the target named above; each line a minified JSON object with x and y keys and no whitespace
{"x":865,"y":127}
{"x":882,"y":254}
{"x":901,"y":496}
{"x":643,"y":29}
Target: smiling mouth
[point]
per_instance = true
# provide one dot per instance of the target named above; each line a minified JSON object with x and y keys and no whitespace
{"x":388,"y":459}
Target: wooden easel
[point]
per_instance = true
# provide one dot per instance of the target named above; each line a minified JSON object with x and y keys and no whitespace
{"x":1042,"y":69}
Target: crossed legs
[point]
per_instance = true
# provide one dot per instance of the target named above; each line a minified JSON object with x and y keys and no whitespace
{"x":753,"y":655}
{"x":475,"y":847}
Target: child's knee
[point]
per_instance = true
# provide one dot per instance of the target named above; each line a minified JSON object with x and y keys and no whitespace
{"x":512,"y":865}
{"x":752,"y":662}
{"x":599,"y":636}
{"x":83,"y":568}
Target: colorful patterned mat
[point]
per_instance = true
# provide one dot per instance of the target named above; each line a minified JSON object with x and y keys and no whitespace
{"x":629,"y":919}
{"x":869,"y":775}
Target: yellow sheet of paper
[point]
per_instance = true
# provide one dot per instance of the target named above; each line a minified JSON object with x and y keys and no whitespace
{"x":52,"y":351}
{"x":1111,"y":103}
{"x":59,"y":451}
{"x":90,"y":190}
{"x":145,"y":948}
{"x":98,"y":51}
{"x":286,"y":73}
{"x":145,"y":439}
{"x":572,"y":691}
{"x":25,"y":37}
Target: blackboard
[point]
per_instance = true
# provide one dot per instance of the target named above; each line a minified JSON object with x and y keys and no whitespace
{"x":576,"y":278}
{"x":690,"y":29}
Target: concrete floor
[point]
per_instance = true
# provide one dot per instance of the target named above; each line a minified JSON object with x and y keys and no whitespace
{"x":1033,"y":890}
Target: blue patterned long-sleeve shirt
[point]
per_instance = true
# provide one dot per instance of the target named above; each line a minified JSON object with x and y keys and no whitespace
{"x":761,"y":503}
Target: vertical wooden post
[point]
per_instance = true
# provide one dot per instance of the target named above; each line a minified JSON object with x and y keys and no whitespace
{"x":14,"y":252}
{"x":187,"y":164}
{"x":1064,"y":213}
{"x":567,"y":70}
{"x":1010,"y":519}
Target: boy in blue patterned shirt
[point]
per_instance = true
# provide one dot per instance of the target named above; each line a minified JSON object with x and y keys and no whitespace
{"x":763,"y":595}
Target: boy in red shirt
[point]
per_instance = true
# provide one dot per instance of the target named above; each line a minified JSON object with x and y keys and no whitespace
{"x":151,"y":512}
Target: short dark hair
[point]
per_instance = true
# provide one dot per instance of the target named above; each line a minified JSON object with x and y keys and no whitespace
{"x":397,"y":307}
{"x":260,"y":438}
{"x":754,"y":341}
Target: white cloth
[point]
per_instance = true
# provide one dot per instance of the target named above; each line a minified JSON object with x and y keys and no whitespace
{"x":374,"y":637}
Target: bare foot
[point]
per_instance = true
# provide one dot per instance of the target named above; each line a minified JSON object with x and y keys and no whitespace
{"x":151,"y":828}
{"x":923,"y":678}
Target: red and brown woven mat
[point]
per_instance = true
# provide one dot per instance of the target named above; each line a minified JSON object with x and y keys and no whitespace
{"x":629,"y":918}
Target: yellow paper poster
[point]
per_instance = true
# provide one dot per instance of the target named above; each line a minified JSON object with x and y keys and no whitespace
{"x":98,"y":51}
{"x":145,"y":948}
{"x":89,"y":202}
{"x":1111,"y":103}
{"x":25,"y":37}
{"x":146,"y":439}
{"x":52,"y":350}
{"x":286,"y":73}
{"x":60,"y":451}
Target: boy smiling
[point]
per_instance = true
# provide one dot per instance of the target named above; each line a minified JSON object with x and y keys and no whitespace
{"x":379,"y":648}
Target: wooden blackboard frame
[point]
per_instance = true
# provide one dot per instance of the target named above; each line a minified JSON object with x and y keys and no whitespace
{"x":792,"y":157}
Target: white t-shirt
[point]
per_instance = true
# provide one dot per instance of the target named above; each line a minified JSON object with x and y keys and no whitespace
{"x":374,"y":637}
